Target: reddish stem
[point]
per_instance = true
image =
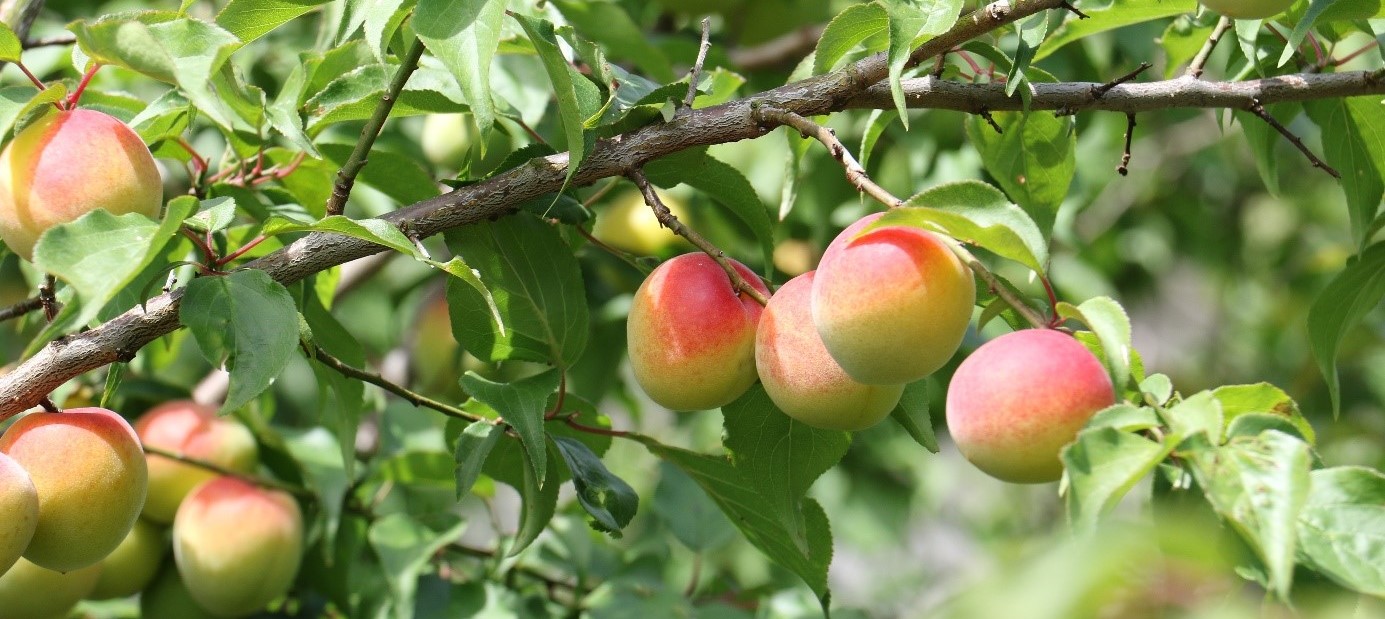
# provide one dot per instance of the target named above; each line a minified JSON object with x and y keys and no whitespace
{"x":76,"y":95}
{"x":581,"y":427}
{"x":1054,"y":320}
{"x":562,"y":395}
{"x":29,"y":74}
{"x":249,"y":245}
{"x":202,"y":245}
{"x":975,"y":68}
{"x":199,"y":165}
{"x":1349,"y":57}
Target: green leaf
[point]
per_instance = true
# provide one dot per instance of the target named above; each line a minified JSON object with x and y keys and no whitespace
{"x":578,"y":98}
{"x":1341,"y":306}
{"x":536,"y":285}
{"x":1157,"y":387}
{"x":607,"y":23}
{"x":1108,"y":321}
{"x":355,"y":94}
{"x":688,"y":512}
{"x":1237,"y":400}
{"x":1353,"y":137}
{"x":252,"y":19}
{"x":1305,"y":23}
{"x":1181,"y":41}
{"x":608,"y":499}
{"x":847,"y":30}
{"x":912,"y":415}
{"x":476,"y":442}
{"x":10,"y":45}
{"x":1259,"y":485}
{"x":1121,"y":13}
{"x":1033,"y":158}
{"x":212,"y":215}
{"x":464,"y":35}
{"x":912,"y":22}
{"x":1103,"y":464}
{"x":975,"y":213}
{"x":779,"y":455}
{"x":406,"y":546}
{"x":16,"y":101}
{"x":1124,"y":417}
{"x":540,"y":501}
{"x":1031,"y":30}
{"x":522,"y":405}
{"x":317,"y":455}
{"x":246,"y":323}
{"x":398,"y":176}
{"x":1342,"y":527}
{"x":1199,"y":414}
{"x":341,"y":399}
{"x":876,"y":124}
{"x":1352,"y":10}
{"x":724,"y":184}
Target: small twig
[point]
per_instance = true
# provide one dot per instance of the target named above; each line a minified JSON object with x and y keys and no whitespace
{"x":998,"y":287}
{"x":571,"y":421}
{"x":562,"y":395}
{"x":48,"y":406}
{"x":412,"y":397}
{"x":854,"y":172}
{"x":208,"y":253}
{"x":940,"y":66}
{"x":221,"y":470}
{"x":1068,"y":6}
{"x":38,"y":83}
{"x":1124,"y":167}
{"x":57,"y":39}
{"x":531,"y":572}
{"x":1259,"y":110}
{"x":47,"y":294}
{"x":696,"y":72}
{"x":668,"y":220}
{"x":625,"y":256}
{"x":346,"y":178}
{"x":985,"y":114}
{"x":1100,"y":91}
{"x":21,"y":308}
{"x":1200,"y":60}
{"x":249,"y":245}
{"x":1352,"y":56}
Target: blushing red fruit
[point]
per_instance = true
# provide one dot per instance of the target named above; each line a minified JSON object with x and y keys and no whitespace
{"x":238,"y":546}
{"x":891,"y":306}
{"x":28,"y":591}
{"x":691,"y":338}
{"x":196,"y":431}
{"x":69,"y":163}
{"x":18,"y":511}
{"x":133,"y":564}
{"x":1248,"y":9}
{"x":802,"y":378}
{"x":88,"y":468}
{"x":1015,"y":402}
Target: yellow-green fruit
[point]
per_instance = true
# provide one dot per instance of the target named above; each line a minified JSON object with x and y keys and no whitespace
{"x":66,"y":164}
{"x":447,"y":139}
{"x":238,"y":546}
{"x":28,"y":591}
{"x":794,"y":256}
{"x":18,"y":511}
{"x":629,"y":224}
{"x":133,"y":564}
{"x":1248,"y":9}
{"x":801,"y":378}
{"x":196,"y":431}
{"x":169,"y":597}
{"x":88,"y":468}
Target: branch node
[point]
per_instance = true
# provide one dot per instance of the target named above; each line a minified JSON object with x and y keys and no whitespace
{"x":985,"y":114}
{"x":1100,"y":91}
{"x":48,"y":405}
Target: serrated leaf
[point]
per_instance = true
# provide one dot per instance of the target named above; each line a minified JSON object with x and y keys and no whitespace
{"x":578,"y":98}
{"x":1121,"y":13}
{"x":912,"y":415}
{"x":858,"y":23}
{"x":1305,"y":23}
{"x":1353,"y":137}
{"x":474,"y":445}
{"x":1198,"y":414}
{"x":355,"y":95}
{"x":608,"y":499}
{"x":1157,"y":387}
{"x":405,"y":545}
{"x":464,"y":35}
{"x":246,"y":323}
{"x":1102,"y":465}
{"x":1341,"y":306}
{"x":911,"y":22}
{"x":1237,"y":400}
{"x":1342,"y":527}
{"x":1124,"y":417}
{"x":610,"y":25}
{"x":522,"y":405}
{"x":252,"y":19}
{"x":212,"y":215}
{"x":1033,"y":158}
{"x":540,"y":502}
{"x":876,"y":124}
{"x":975,"y":213}
{"x":1107,"y":319}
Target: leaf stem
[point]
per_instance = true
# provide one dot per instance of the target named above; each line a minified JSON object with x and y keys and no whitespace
{"x":221,"y":470}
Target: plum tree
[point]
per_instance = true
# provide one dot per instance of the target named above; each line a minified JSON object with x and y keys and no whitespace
{"x":237,"y":546}
{"x":691,"y":337}
{"x":169,"y":597}
{"x":193,"y":430}
{"x":802,"y":378}
{"x":1014,"y":403}
{"x":18,"y":511}
{"x":66,"y":164}
{"x":892,"y":305}
{"x":133,"y":564}
{"x":629,"y":224}
{"x":1248,"y":9}
{"x":28,"y":591}
{"x":89,"y":470}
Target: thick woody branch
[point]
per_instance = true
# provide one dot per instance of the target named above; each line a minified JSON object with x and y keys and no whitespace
{"x":854,"y":172}
{"x":668,"y":220}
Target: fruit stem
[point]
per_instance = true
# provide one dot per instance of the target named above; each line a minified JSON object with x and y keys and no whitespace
{"x":998,"y":287}
{"x":76,"y":95}
{"x":221,"y":470}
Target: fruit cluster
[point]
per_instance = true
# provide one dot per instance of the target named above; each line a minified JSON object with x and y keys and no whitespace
{"x":835,"y":347}
{"x":84,"y":514}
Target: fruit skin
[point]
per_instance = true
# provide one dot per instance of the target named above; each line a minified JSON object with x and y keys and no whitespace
{"x":133,"y":564}
{"x":238,"y":546}
{"x":28,"y":591}
{"x":891,"y":306}
{"x":196,"y":431}
{"x":1015,"y":402}
{"x":691,"y":338}
{"x":68,"y":163}
{"x":169,"y":597}
{"x":802,"y":378}
{"x":1248,"y":9}
{"x":89,"y":470}
{"x":18,"y":511}
{"x":448,"y":138}
{"x":629,"y":224}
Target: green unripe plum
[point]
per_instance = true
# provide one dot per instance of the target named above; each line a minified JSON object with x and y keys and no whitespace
{"x":28,"y":591}
{"x":196,"y":431}
{"x":169,"y":597}
{"x":802,"y":378}
{"x":892,"y":305}
{"x":691,"y":337}
{"x":18,"y":511}
{"x":237,"y":545}
{"x":1015,"y":402}
{"x":66,"y":164}
{"x":88,"y":468}
{"x":629,"y":224}
{"x":132,"y":565}
{"x":1248,"y":9}
{"x":448,"y":139}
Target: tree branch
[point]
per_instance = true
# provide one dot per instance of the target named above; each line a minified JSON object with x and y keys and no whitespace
{"x":854,"y":172}
{"x":221,"y":470}
{"x":21,"y":308}
{"x":412,"y":397}
{"x":1259,"y":110}
{"x":1200,"y":60}
{"x":696,"y":72}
